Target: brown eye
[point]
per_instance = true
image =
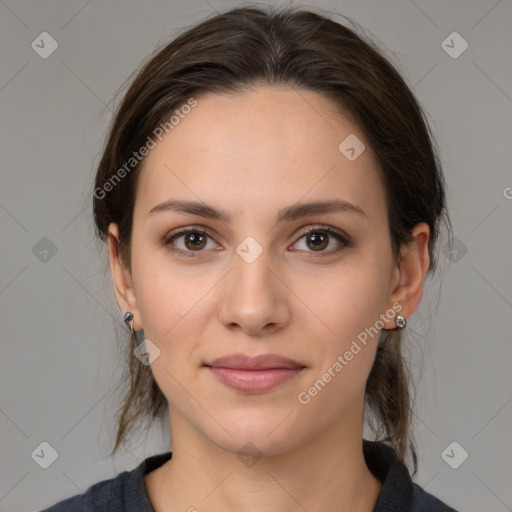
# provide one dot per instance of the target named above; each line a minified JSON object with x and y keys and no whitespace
{"x":317,"y":240}
{"x":189,"y":241}
{"x":194,"y":241}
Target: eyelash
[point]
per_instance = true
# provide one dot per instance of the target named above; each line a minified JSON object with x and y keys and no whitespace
{"x":343,"y":238}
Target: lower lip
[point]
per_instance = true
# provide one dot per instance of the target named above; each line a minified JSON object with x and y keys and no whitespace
{"x":253,"y":381}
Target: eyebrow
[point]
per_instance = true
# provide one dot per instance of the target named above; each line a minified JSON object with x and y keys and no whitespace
{"x":288,"y":213}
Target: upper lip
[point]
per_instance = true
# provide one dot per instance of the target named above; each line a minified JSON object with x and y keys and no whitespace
{"x":261,"y":362}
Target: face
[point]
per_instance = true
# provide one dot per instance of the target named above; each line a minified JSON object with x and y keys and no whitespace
{"x":265,"y":276}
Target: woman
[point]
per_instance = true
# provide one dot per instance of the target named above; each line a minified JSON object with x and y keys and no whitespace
{"x":271,"y":198}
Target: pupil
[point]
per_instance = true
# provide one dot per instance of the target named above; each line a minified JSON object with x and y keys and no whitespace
{"x":317,"y":239}
{"x":195,"y":239}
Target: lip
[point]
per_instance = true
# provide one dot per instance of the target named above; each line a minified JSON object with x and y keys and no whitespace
{"x":254,"y":374}
{"x":261,"y":362}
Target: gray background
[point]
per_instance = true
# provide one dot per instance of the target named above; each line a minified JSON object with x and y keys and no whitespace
{"x":59,"y":362}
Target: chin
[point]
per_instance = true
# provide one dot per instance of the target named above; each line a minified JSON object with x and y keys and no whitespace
{"x":243,"y":445}
{"x":253,"y":434}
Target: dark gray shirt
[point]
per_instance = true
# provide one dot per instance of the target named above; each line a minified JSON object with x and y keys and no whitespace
{"x":127,"y":492}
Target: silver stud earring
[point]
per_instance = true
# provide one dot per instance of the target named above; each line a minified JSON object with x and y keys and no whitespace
{"x":128,"y":320}
{"x":401,"y":322}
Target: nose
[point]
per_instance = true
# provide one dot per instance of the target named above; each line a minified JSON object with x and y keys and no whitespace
{"x":254,"y":297}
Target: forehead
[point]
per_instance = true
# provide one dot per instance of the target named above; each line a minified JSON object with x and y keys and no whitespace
{"x":260,"y":149}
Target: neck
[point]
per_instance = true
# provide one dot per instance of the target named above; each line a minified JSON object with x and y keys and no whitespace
{"x":328,"y":472}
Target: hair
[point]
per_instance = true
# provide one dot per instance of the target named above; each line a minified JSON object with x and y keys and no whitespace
{"x":246,"y":47}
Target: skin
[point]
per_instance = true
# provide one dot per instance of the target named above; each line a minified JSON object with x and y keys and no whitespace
{"x":252,"y":154}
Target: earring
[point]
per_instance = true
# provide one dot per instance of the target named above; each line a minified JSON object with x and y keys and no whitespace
{"x":401,"y":322}
{"x":128,"y":320}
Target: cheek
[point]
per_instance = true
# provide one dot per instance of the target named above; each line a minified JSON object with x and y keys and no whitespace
{"x":175,"y":308}
{"x":348,"y":315}
{"x":347,"y":305}
{"x":343,"y":355}
{"x":167,"y":294}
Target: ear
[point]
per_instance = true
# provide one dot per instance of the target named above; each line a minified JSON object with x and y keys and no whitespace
{"x":122,"y":278}
{"x":409,"y":275}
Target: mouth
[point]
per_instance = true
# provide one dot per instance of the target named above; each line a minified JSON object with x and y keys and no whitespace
{"x":261,"y":362}
{"x":254,"y":374}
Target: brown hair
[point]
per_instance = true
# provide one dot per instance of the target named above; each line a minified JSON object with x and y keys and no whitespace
{"x":245,"y":47}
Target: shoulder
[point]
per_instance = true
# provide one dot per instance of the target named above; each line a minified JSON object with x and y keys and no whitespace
{"x":399,"y":493}
{"x":124,"y":493}
{"x":425,"y":502}
{"x":98,"y":497}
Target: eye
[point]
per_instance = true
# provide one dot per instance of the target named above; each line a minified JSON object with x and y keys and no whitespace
{"x":318,"y":238}
{"x":193,"y":240}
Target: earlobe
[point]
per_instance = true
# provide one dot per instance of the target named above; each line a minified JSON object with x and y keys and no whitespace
{"x":412,"y":269}
{"x":121,"y":277}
